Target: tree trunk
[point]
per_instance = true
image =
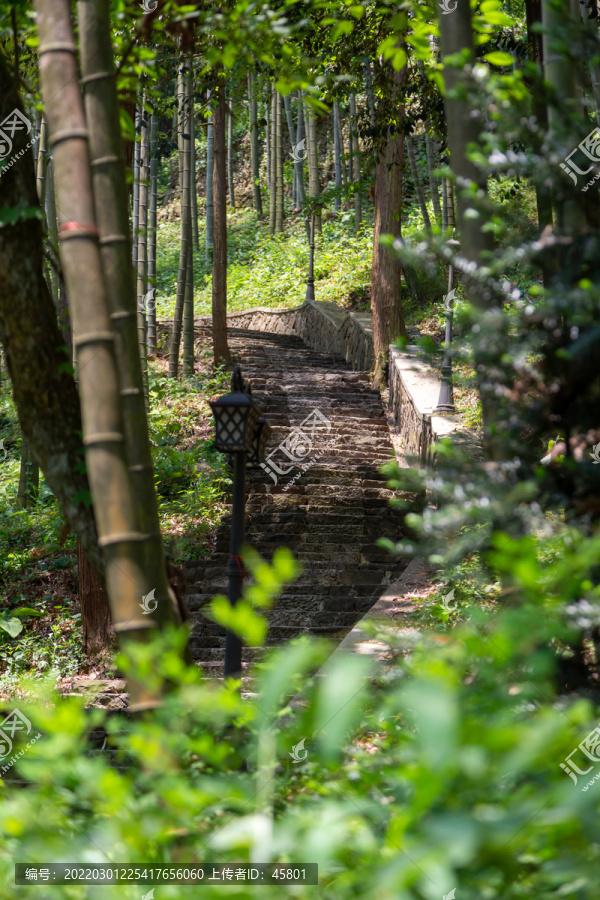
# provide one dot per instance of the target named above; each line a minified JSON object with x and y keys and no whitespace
{"x":355,"y":163}
{"x":98,"y":635}
{"x":543,"y":194}
{"x":337,"y":156}
{"x":273,"y":160}
{"x":301,"y":154}
{"x":142,"y":259}
{"x":417,"y":182}
{"x":184,"y":205}
{"x":370,"y":94}
{"x":151,"y":302}
{"x":279,"y":167}
{"x":102,"y":109}
{"x":313,"y":163}
{"x":219,"y":285}
{"x":254,"y":145}
{"x":29,"y":478}
{"x":433,"y":183}
{"x":230,"y":154}
{"x":193,"y":191}
{"x":386,"y":279}
{"x":115,"y":506}
{"x":188,"y":306}
{"x":209,"y":188}
{"x":136,"y":182}
{"x":268,"y":136}
{"x":52,"y":233}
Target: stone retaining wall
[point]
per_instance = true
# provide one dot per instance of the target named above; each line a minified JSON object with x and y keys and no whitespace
{"x":324,"y":326}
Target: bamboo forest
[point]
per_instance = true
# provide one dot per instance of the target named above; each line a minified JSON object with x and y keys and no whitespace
{"x":299,"y":449}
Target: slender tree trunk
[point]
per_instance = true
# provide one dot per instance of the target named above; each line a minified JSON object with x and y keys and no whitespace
{"x":417,"y":182}
{"x":219,"y":286}
{"x":209,"y":188}
{"x":279,"y":169}
{"x":254,"y":145}
{"x":268,"y":136}
{"x":230,"y":154}
{"x":95,"y":611}
{"x":301,"y":154}
{"x":52,"y":232}
{"x":337,"y":154}
{"x":29,"y":478}
{"x":355,"y":163}
{"x":193,"y":187}
{"x":370,"y":94}
{"x":188,"y":307}
{"x":273,"y":159}
{"x":386,"y":280}
{"x":142,"y":258}
{"x":153,"y":189}
{"x":136,"y":182}
{"x":433,"y":184}
{"x":43,"y":388}
{"x":313,"y":162}
{"x":182,"y":271}
{"x":114,"y":502}
{"x":543,"y":194}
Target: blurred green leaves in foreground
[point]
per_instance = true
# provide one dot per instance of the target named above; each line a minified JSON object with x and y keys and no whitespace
{"x":434,"y":769}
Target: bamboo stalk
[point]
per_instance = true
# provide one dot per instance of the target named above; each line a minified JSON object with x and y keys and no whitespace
{"x":153,"y":190}
{"x":337,"y":153}
{"x":355,"y":163}
{"x":142,"y":259}
{"x":193,"y":188}
{"x":279,"y":167}
{"x":136,"y":184}
{"x":185,"y":221}
{"x":410,"y":150}
{"x":119,"y":534}
{"x":210,"y":217}
{"x":433,"y":182}
{"x":230,"y":155}
{"x":313,"y":162}
{"x":102,"y":108}
{"x":273,"y":160}
{"x":254,"y":145}
{"x":188,"y":306}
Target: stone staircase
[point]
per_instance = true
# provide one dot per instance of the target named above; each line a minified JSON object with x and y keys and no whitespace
{"x":330,"y":514}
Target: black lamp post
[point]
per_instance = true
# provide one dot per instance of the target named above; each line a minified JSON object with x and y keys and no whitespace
{"x":446,"y":398}
{"x":241,"y":432}
{"x":310,"y":284}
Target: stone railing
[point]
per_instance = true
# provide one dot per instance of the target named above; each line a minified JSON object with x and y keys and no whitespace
{"x":414,"y":393}
{"x":324,"y":326}
{"x":321,"y":325}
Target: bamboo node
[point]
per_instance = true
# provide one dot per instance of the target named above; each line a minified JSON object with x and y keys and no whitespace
{"x":97,"y":76}
{"x":68,"y":134}
{"x":103,"y":437}
{"x":113,"y":239}
{"x":135,"y":625}
{"x":77,"y":230}
{"x":124,"y":537}
{"x":130,"y":392}
{"x":102,"y":160}
{"x":93,"y":337}
{"x":57,"y":47}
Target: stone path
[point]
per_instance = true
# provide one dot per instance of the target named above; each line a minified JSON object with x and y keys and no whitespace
{"x":330,"y":514}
